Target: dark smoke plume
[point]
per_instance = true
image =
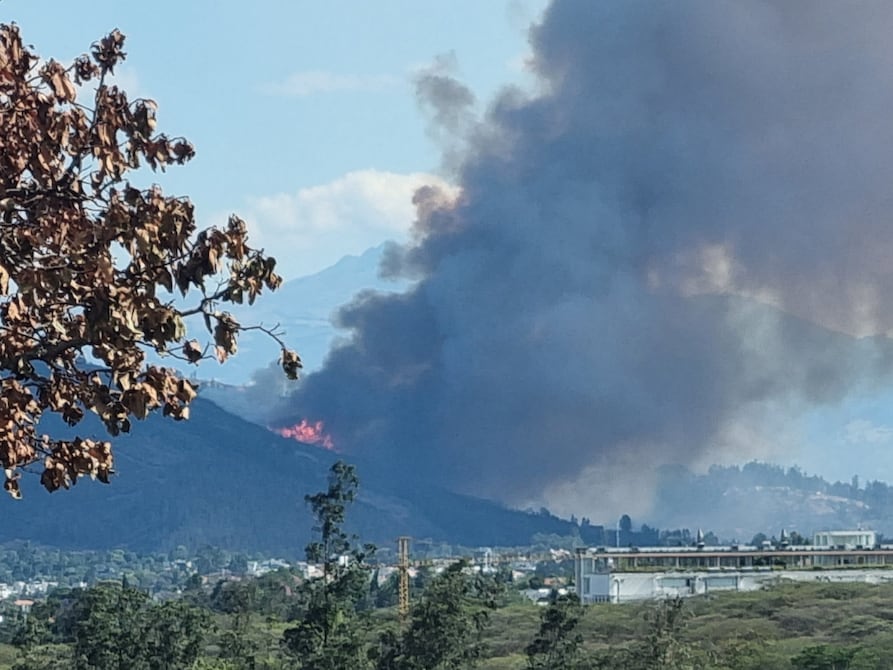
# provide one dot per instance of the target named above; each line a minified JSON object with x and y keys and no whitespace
{"x":682,"y":232}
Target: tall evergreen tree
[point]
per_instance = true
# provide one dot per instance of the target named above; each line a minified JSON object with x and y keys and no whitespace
{"x":327,"y":636}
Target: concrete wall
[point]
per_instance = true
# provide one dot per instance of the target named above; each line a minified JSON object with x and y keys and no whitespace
{"x":619,"y":587}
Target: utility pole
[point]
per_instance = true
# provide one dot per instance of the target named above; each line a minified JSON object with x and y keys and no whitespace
{"x":403,"y":601}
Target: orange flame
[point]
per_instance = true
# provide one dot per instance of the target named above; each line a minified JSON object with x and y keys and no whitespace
{"x":308,"y":433}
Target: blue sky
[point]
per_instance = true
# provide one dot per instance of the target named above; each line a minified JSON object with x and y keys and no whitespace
{"x":305,"y":122}
{"x":303,"y":113}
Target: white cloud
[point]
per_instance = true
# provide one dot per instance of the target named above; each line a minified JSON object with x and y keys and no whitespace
{"x":311,"y":229}
{"x":301,"y":84}
{"x":862,"y":431}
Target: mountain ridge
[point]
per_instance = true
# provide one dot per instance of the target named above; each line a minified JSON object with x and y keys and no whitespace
{"x":218,"y":479}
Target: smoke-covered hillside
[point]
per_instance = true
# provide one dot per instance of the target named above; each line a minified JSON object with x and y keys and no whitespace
{"x":557,"y":343}
{"x":738,"y":502}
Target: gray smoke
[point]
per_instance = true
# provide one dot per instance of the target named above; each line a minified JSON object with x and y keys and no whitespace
{"x":683,"y":230}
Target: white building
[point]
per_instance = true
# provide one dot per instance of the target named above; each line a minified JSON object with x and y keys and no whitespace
{"x":618,"y":587}
{"x":619,"y":574}
{"x":845,"y":539}
{"x":621,"y":587}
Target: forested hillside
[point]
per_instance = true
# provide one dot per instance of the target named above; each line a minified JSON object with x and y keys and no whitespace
{"x":220,"y":480}
{"x":737,"y":502}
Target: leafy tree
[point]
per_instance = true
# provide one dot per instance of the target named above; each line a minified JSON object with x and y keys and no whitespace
{"x":796,"y":539}
{"x":48,"y":657}
{"x":237,"y":600}
{"x":557,"y":643}
{"x":31,"y":632}
{"x":758,"y":539}
{"x":174,"y":635}
{"x":194,"y":591}
{"x":205,"y":663}
{"x":89,"y":263}
{"x":209,"y":559}
{"x":446,"y":624}
{"x":662,"y":649}
{"x":823,"y":657}
{"x":422,"y":580}
{"x":238,"y":564}
{"x":109,"y":628}
{"x":326,"y":635}
{"x":387,"y":593}
{"x":114,"y":627}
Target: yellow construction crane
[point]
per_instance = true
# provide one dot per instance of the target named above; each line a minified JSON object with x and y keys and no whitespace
{"x":403,"y":593}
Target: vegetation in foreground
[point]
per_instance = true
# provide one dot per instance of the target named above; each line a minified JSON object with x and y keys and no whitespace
{"x":460,"y":618}
{"x":69,"y":214}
